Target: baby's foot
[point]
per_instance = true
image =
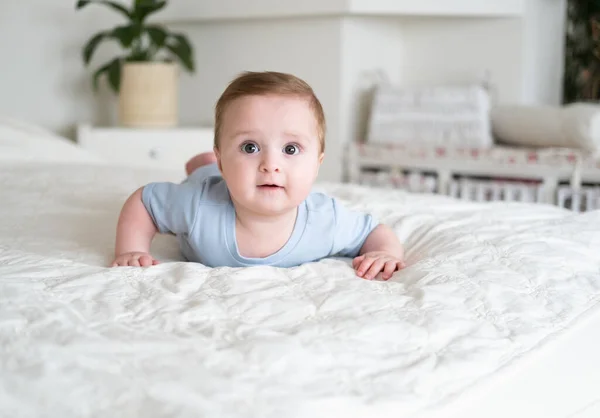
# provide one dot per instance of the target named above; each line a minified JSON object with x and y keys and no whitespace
{"x":200,"y":160}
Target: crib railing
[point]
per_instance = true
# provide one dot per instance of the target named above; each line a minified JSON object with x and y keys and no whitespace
{"x":579,"y":199}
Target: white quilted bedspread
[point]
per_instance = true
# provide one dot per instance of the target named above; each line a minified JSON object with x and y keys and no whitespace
{"x":485,"y":284}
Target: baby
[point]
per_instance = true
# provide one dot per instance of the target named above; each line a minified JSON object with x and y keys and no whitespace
{"x":250,"y":202}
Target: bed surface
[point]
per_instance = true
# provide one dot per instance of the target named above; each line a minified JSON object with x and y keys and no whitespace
{"x":490,"y":292}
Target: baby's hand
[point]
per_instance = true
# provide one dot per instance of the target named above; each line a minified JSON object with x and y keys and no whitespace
{"x":135,"y":259}
{"x":370,"y":264}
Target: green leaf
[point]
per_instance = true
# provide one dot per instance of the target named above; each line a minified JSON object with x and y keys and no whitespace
{"x":157,"y":34}
{"x":114,"y":74}
{"x":114,"y":5}
{"x":140,"y":55}
{"x":181,"y":48}
{"x":91,"y":46}
{"x":113,"y":71}
{"x":143,"y":9}
{"x":185,"y":44}
{"x":126,"y":34}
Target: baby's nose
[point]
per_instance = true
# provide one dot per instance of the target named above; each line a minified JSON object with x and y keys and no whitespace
{"x":270,"y":163}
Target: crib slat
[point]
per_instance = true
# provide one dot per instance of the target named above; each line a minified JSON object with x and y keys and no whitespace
{"x":578,"y":199}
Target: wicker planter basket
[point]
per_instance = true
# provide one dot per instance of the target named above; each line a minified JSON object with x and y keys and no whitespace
{"x":148,"y":97}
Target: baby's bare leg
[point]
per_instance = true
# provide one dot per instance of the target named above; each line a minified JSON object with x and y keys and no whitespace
{"x":200,"y":160}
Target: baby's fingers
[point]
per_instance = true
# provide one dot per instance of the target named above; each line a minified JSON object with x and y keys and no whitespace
{"x":119,"y":263}
{"x":389,"y":269}
{"x":364,"y":266}
{"x":357,"y":260}
{"x":134,"y":262}
{"x":146,"y":261}
{"x":375,"y":269}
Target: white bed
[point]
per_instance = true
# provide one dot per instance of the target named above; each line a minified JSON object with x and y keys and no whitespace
{"x":497,"y":314}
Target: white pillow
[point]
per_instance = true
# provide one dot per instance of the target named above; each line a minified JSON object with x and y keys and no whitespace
{"x":431,"y":116}
{"x":20,"y":141}
{"x":575,"y":125}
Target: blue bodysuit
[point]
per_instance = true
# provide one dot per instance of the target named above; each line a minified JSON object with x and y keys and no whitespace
{"x":200,"y":213}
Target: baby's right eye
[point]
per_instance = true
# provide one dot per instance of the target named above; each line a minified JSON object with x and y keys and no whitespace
{"x":249,"y":148}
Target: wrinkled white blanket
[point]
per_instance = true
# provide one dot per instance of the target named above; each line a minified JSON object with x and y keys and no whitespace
{"x":485,"y":284}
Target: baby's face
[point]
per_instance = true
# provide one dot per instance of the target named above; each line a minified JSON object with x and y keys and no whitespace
{"x":269,"y":152}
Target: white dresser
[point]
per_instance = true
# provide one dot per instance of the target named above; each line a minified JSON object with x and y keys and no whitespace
{"x":160,"y":148}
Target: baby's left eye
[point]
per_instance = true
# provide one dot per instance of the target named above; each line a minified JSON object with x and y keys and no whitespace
{"x":291,"y":149}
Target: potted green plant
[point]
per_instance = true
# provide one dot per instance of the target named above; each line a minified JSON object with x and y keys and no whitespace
{"x":145,"y":75}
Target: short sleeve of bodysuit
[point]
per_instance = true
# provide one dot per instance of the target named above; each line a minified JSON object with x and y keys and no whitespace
{"x":172,"y":206}
{"x":350,"y":229}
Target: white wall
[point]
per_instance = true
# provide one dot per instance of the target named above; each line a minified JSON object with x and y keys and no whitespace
{"x":42,"y":78}
{"x":461,"y":50}
{"x":524,"y":57}
{"x":365,"y":65}
{"x":543,"y":51}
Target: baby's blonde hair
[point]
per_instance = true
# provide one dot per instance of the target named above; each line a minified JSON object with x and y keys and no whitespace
{"x":264,"y":83}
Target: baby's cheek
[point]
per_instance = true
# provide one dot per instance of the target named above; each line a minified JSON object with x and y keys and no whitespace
{"x":298,"y":194}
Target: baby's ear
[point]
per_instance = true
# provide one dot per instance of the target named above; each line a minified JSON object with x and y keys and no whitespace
{"x":218,"y":155}
{"x":321,"y":158}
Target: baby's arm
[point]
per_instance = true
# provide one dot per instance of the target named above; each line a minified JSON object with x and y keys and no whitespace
{"x":135,"y":231}
{"x":381,"y":251}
